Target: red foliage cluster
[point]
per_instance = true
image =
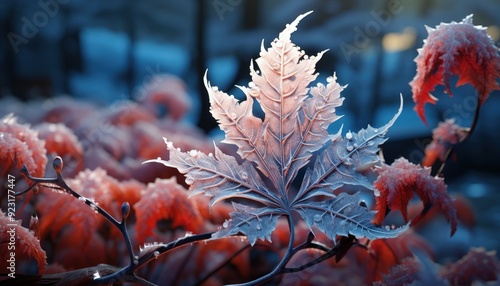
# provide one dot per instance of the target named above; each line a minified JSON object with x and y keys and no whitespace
{"x":460,"y":49}
{"x":20,"y":145}
{"x":477,"y":265}
{"x":400,"y":181}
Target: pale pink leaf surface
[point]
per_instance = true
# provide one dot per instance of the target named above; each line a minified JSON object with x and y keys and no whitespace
{"x":274,"y":149}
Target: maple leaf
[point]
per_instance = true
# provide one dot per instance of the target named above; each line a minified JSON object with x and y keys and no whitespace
{"x":400,"y":181}
{"x":444,"y":137}
{"x":460,"y":49}
{"x":275,"y":148}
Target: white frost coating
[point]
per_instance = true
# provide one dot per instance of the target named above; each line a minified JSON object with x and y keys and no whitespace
{"x":169,"y":144}
{"x":193,"y":153}
{"x":97,"y":275}
{"x":189,"y":181}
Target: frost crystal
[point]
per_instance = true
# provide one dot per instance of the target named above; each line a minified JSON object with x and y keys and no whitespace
{"x":273,"y":149}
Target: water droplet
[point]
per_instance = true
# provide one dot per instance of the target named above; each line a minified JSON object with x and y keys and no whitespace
{"x":306,"y":57}
{"x":258,"y":227}
{"x":251,"y":84}
{"x":355,"y":145}
{"x":370,"y":143}
{"x":210,"y":155}
{"x":233,"y":115}
{"x":156,"y":254}
{"x":348,"y":162}
{"x":375,"y":130}
{"x":318,"y":218}
{"x":387,"y":227}
{"x":189,"y":181}
{"x":82,"y":199}
{"x":225,"y":224}
{"x":193,"y":153}
{"x":244,"y":175}
{"x":215,"y":88}
{"x":329,"y":79}
{"x":348,"y":136}
{"x":349,"y":148}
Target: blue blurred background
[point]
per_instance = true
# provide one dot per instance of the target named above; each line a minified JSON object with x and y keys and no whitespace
{"x":103,"y":51}
{"x":107,"y":51}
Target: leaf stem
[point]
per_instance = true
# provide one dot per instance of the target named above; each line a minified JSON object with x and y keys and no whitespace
{"x":338,"y":251}
{"x":281,"y":265}
{"x":468,"y":134}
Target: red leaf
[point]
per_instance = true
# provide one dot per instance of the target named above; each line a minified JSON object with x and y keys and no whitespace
{"x":445,"y":136}
{"x":399,"y":182}
{"x":26,"y":245}
{"x":165,"y":200}
{"x":21,"y":145}
{"x":477,"y":264}
{"x":401,"y":274}
{"x":382,"y":255}
{"x":460,"y":49}
{"x":61,"y":140}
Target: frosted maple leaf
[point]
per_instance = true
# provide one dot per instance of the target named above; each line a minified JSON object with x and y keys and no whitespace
{"x":275,"y":148}
{"x":460,"y":49}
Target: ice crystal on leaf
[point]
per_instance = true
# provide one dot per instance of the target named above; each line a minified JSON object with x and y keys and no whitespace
{"x":460,"y":49}
{"x":275,"y":148}
{"x":400,"y":181}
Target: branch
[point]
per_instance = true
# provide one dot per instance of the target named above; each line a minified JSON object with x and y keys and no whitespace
{"x":339,"y":251}
{"x":126,"y":273}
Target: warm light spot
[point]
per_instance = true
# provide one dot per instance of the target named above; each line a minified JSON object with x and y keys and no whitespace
{"x":494,"y":32}
{"x":396,"y":42}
